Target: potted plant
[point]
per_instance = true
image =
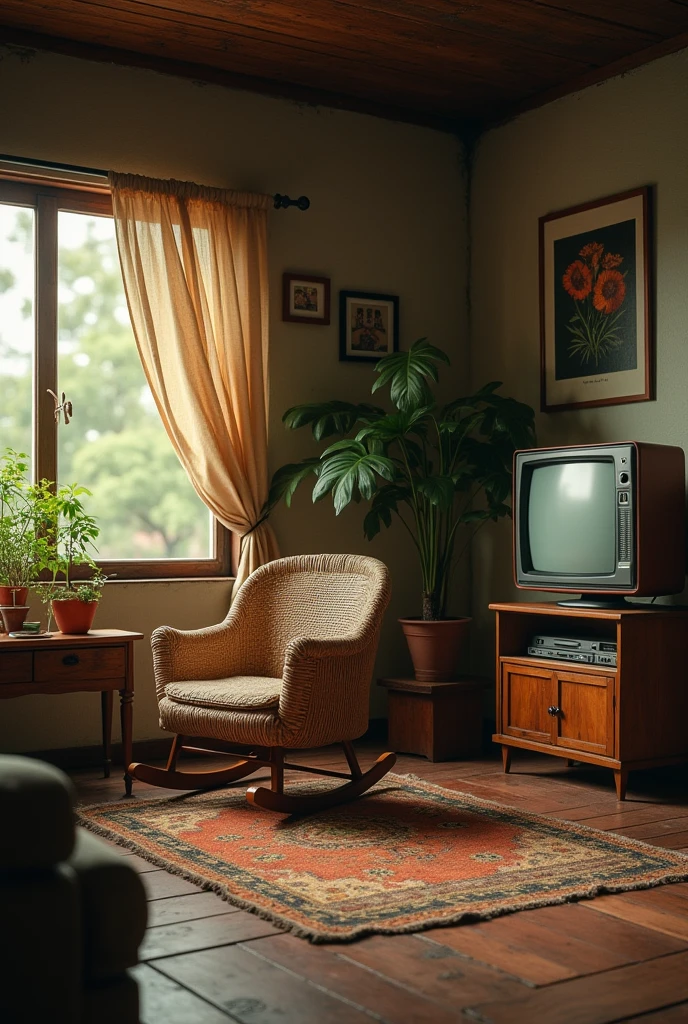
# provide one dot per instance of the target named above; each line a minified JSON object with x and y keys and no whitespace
{"x":441,"y":470}
{"x":21,"y":547}
{"x":70,"y":535}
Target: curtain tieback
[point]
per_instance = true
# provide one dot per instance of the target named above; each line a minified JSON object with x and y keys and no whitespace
{"x":258,"y":522}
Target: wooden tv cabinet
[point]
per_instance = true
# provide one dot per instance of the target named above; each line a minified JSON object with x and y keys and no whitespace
{"x":624,"y":718}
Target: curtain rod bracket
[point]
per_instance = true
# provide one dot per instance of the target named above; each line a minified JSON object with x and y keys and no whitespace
{"x":282,"y":202}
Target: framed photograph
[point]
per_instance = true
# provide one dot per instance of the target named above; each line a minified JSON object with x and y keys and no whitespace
{"x":596,"y":341}
{"x":368,"y":325}
{"x":305,"y":299}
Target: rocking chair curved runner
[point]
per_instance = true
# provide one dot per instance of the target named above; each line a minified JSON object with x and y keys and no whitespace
{"x":290,"y":667}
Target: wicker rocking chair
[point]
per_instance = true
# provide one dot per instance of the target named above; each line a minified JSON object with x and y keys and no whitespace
{"x":289,"y":668}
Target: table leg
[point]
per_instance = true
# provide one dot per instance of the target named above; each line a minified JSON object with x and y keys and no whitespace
{"x":126,"y":715}
{"x":106,"y":716}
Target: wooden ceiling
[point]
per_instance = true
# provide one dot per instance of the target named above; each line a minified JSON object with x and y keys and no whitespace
{"x":453,"y":64}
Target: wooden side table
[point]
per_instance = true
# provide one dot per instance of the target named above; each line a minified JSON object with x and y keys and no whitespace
{"x":441,"y":721}
{"x":101,"y":660}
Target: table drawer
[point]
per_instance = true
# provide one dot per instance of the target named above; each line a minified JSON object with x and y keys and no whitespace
{"x":16,"y":667}
{"x":76,"y":663}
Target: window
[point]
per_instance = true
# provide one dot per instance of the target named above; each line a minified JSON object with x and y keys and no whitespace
{"x":64,"y":326}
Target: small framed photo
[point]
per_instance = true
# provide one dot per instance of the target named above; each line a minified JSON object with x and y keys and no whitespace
{"x":368,"y":325}
{"x":305,"y":299}
{"x":596,"y":319}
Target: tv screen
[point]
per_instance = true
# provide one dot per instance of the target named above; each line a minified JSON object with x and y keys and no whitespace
{"x":572,"y":518}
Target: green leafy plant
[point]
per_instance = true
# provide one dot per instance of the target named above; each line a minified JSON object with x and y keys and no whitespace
{"x":45,"y":532}
{"x":70,"y":534}
{"x":435,"y":468}
{"x":22,"y":546}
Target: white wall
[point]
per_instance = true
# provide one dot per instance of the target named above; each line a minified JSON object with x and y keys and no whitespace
{"x":387,"y":215}
{"x":610,"y":138}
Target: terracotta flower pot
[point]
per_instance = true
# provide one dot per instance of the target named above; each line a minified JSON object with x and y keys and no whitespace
{"x":13,"y":595}
{"x":13,"y":616}
{"x":73,"y":615}
{"x":435,"y":646}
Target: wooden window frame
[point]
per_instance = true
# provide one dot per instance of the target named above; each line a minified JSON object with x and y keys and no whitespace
{"x":47,"y":199}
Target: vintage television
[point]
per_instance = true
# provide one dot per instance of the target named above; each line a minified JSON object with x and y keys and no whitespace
{"x":602,"y":520}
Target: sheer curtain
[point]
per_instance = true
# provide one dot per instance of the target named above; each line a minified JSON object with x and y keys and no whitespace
{"x":194,"y":264}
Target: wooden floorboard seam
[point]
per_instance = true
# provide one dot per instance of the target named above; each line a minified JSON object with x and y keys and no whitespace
{"x":308,"y":981}
{"x":197,"y":995}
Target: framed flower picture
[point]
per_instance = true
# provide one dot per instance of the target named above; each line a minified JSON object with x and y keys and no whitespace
{"x":595,"y":304}
{"x":368,"y":326}
{"x":305,"y":299}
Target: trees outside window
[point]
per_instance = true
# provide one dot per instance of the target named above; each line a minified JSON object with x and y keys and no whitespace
{"x":64,"y":325}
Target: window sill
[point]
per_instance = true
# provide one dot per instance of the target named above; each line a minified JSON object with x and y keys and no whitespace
{"x":171,"y":579}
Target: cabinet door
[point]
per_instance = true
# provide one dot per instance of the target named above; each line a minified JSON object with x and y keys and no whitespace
{"x":526,"y":694}
{"x":584,"y":715}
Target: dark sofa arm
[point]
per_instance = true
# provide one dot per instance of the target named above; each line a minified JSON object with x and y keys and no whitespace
{"x":36,"y":809}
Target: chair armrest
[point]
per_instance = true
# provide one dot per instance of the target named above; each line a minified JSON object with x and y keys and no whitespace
{"x":36,"y":801}
{"x":325,"y":690}
{"x":206,"y":653}
{"x":303,"y":647}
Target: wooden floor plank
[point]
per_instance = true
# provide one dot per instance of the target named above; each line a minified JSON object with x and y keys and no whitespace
{"x":177,"y":909}
{"x":649,"y":830}
{"x":526,"y":931}
{"x":645,"y":914}
{"x":627,"y":816}
{"x":160,"y":884}
{"x":598,"y":999}
{"x":163,"y":1000}
{"x":660,"y":897}
{"x":330,"y":969}
{"x":629,"y":941}
{"x":481,"y":942}
{"x":431,"y":969}
{"x":254,"y":991}
{"x":204,"y":933}
{"x":677,"y":841}
{"x":542,"y":956}
{"x":139,"y":864}
{"x":671,"y":1015}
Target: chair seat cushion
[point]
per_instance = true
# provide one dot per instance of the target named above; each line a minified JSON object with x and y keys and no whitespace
{"x":237,"y":693}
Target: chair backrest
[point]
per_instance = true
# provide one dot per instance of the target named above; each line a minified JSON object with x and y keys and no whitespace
{"x":315,"y":596}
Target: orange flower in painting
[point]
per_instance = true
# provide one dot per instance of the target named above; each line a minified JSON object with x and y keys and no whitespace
{"x":593,"y":250}
{"x":578,"y":280}
{"x":611,"y":260}
{"x":610,"y":291}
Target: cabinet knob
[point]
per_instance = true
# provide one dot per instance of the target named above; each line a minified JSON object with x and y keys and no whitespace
{"x":70,"y":659}
{"x":553,"y":710}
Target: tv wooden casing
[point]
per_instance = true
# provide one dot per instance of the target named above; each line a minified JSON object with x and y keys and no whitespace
{"x":660,"y":541}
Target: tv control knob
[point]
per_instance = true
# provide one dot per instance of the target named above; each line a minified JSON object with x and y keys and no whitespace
{"x":623,"y":478}
{"x":553,"y":710}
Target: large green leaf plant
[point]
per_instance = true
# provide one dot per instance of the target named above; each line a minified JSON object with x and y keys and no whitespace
{"x":435,"y":468}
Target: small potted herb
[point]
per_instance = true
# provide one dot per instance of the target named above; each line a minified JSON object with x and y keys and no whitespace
{"x":70,"y":535}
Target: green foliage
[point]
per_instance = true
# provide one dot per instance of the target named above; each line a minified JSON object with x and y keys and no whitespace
{"x":45,"y":531}
{"x":435,"y":468}
{"x":21,"y":546}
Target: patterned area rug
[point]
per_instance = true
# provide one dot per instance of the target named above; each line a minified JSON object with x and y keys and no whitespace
{"x":409,"y":855}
